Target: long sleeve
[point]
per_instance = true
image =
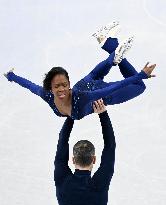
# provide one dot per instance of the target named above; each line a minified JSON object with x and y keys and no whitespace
{"x":103,"y":175}
{"x":36,"y":89}
{"x":90,"y":96}
{"x":62,"y":155}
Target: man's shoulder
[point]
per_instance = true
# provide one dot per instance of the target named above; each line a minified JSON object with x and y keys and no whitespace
{"x":66,"y":180}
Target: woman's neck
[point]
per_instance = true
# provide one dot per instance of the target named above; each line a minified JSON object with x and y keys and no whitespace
{"x":64,"y":103}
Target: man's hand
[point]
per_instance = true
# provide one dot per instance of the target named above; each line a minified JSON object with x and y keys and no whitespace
{"x":5,"y":74}
{"x":99,"y":106}
{"x":148,"y":69}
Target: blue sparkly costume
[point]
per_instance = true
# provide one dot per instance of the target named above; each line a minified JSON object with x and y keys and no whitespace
{"x":92,"y":87}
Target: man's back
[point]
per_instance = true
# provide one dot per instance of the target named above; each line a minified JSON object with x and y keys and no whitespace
{"x":80,"y":189}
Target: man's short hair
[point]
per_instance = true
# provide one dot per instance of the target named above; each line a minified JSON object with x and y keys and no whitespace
{"x":83,"y":151}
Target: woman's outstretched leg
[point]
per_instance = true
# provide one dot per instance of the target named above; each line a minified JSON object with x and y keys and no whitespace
{"x":114,"y":58}
{"x":116,"y":52}
{"x":102,"y":69}
{"x":106,"y":37}
{"x":108,"y":44}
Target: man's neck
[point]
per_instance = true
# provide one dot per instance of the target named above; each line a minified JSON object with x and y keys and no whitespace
{"x":83,"y":168}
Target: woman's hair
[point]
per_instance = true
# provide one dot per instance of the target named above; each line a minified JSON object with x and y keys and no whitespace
{"x":51,"y":74}
{"x":83,"y":151}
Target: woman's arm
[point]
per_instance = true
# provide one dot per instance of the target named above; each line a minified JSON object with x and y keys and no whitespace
{"x":36,"y":89}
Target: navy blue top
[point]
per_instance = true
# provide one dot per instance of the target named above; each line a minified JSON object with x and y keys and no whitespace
{"x":83,"y":92}
{"x":80,"y":188}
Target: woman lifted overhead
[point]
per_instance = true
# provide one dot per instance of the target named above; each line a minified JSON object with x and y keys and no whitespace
{"x":77,"y":102}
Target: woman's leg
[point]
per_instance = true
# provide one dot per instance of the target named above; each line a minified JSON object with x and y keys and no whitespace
{"x":129,"y":92}
{"x":125,"y":67}
{"x":102,"y":69}
{"x":126,"y":93}
{"x":110,"y":45}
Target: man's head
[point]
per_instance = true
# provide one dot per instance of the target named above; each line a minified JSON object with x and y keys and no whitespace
{"x":84,"y":155}
{"x":57,"y":81}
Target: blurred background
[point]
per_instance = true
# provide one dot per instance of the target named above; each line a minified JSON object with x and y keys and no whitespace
{"x":37,"y":35}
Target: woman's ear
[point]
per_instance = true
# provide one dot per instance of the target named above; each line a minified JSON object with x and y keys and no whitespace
{"x":69,"y":86}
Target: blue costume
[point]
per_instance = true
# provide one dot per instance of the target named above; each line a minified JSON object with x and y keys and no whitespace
{"x":92,"y":87}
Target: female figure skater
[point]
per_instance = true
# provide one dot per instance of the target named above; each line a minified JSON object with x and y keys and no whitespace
{"x":78,"y":101}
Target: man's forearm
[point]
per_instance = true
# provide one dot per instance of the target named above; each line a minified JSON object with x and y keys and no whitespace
{"x":105,"y":172}
{"x":107,"y":129}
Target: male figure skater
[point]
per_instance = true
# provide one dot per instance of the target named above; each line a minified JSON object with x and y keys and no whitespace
{"x":80,"y":188}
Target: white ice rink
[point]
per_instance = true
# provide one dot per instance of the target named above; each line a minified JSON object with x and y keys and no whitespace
{"x":37,"y":35}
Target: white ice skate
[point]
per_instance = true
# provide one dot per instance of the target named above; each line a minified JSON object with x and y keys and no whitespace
{"x":110,"y":30}
{"x":113,"y":33}
{"x":122,"y":49}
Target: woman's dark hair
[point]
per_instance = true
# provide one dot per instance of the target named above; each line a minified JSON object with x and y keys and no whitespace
{"x":51,"y":74}
{"x":83,"y":151}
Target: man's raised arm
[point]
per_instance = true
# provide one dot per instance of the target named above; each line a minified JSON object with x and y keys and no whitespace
{"x":103,"y":175}
{"x":62,"y":155}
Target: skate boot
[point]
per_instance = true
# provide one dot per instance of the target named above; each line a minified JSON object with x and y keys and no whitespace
{"x":122,"y":49}
{"x":110,"y":30}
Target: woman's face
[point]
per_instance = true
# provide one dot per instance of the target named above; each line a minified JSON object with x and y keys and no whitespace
{"x":60,"y":87}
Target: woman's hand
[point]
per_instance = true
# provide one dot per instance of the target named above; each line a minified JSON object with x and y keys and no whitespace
{"x":99,"y":106}
{"x":149,"y":69}
{"x":5,"y":74}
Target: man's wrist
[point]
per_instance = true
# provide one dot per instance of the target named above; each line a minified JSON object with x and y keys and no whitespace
{"x":105,"y":111}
